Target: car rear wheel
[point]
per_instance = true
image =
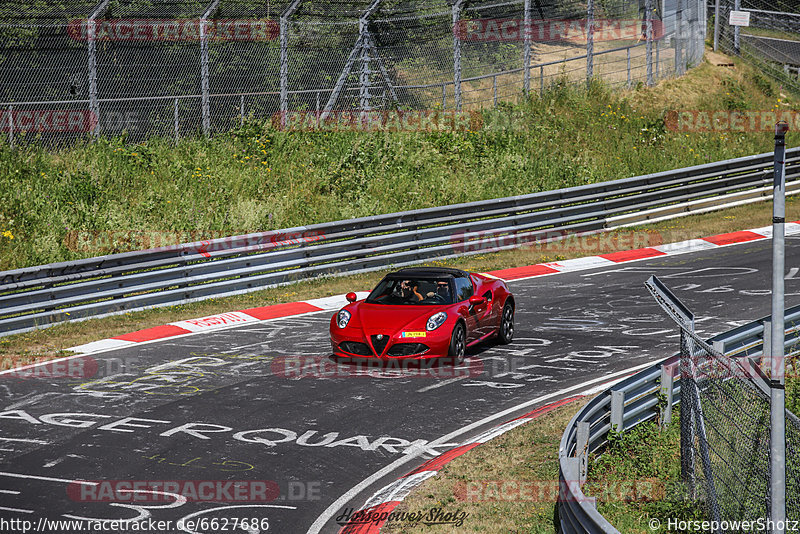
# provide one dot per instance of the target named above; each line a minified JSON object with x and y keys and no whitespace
{"x":506,"y":333}
{"x":458,"y":345}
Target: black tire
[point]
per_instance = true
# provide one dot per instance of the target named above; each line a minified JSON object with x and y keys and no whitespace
{"x":458,"y":345}
{"x":506,"y":333}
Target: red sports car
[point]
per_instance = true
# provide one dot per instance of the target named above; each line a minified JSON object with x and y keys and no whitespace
{"x":424,"y":312}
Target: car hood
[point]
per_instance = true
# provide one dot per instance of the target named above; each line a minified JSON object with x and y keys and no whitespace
{"x":380,"y":318}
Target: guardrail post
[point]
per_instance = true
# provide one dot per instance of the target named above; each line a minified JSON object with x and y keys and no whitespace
{"x":582,"y":450}
{"x":648,"y":17}
{"x":526,"y":59}
{"x":589,"y":42}
{"x":666,"y":389}
{"x":572,"y":478}
{"x":617,"y":409}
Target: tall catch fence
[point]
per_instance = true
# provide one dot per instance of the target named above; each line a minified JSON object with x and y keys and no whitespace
{"x":174,"y":68}
{"x":769,"y":35}
{"x":725,"y":420}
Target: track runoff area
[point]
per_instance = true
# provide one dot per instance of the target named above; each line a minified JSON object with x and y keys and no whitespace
{"x":243,"y":422}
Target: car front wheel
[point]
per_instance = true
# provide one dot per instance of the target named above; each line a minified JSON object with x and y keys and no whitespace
{"x":458,"y":345}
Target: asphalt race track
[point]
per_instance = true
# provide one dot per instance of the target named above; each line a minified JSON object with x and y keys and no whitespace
{"x":263,"y":403}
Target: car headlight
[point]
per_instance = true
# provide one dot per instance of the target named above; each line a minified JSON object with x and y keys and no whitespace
{"x":436,"y":320}
{"x":342,"y":318}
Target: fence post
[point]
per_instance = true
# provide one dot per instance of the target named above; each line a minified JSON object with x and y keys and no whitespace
{"x":457,"y":54}
{"x":589,"y":42}
{"x":204,"y":70}
{"x":11,"y":126}
{"x":175,"y":119}
{"x":687,"y":416}
{"x":737,"y":5}
{"x":777,"y":431}
{"x":526,"y":61}
{"x":716,"y":25}
{"x":617,"y":407}
{"x":648,"y":17}
{"x":94,"y":105}
{"x":666,"y":389}
{"x":241,"y":110}
{"x":658,"y":60}
{"x":494,"y":90}
{"x":284,"y":74}
{"x":628,"y":50}
{"x":364,"y":77}
{"x":541,"y":80}
{"x":284,"y":69}
{"x":444,"y":96}
{"x":678,"y":51}
{"x":582,"y":450}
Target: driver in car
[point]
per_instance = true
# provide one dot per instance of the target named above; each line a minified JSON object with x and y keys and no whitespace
{"x":408,"y":290}
{"x":442,"y":290}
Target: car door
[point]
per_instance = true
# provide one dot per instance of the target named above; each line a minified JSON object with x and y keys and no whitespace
{"x":464,"y":290}
{"x":486,"y":314}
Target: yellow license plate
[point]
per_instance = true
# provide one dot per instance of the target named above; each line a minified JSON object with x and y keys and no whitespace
{"x":414,"y":334}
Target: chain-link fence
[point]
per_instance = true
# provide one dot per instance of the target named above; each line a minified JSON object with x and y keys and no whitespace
{"x":179,"y":67}
{"x":725,"y":434}
{"x":765,"y":32}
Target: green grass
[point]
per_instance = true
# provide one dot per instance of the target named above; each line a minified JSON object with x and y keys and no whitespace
{"x":637,"y":478}
{"x":257,"y":178}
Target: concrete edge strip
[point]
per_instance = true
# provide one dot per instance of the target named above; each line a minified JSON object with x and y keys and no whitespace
{"x":278,"y":311}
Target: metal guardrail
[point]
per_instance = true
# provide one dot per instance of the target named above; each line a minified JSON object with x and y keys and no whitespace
{"x":644,"y":396}
{"x":40,"y":296}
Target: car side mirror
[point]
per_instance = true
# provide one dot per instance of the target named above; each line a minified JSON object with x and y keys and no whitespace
{"x":475,"y":300}
{"x":351,"y":297}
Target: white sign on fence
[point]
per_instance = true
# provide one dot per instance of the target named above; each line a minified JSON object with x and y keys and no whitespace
{"x":739,"y":18}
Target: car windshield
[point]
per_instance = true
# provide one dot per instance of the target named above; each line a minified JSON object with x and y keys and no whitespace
{"x":412,"y":291}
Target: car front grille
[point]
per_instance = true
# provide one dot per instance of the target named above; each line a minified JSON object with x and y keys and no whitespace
{"x":379,"y":344}
{"x":407,"y":349}
{"x":354,"y":347}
